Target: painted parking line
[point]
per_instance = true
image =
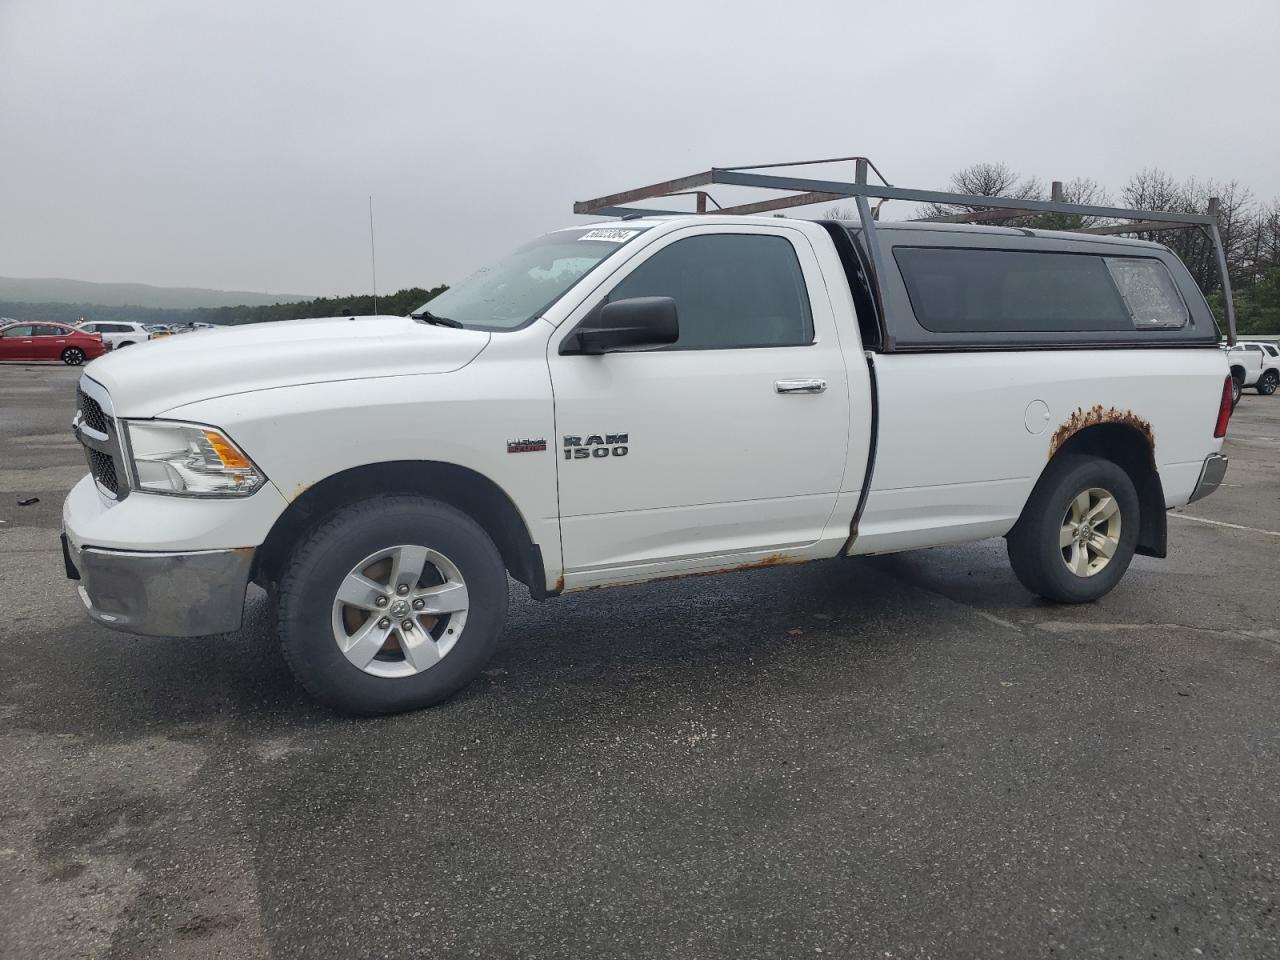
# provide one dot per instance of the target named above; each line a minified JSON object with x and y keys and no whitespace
{"x":1233,"y":526}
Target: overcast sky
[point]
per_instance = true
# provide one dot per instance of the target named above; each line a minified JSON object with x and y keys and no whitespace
{"x":233,"y":144}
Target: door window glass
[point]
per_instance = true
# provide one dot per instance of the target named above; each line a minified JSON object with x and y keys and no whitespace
{"x":731,"y":290}
{"x":22,"y":331}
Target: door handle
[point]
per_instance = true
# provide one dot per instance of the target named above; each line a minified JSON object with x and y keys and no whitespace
{"x":812,"y":385}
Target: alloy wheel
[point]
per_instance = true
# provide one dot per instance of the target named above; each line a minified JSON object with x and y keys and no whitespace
{"x":400,"y":611}
{"x":1090,"y":532}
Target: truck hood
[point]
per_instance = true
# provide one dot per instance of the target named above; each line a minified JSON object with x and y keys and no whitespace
{"x":149,"y":378}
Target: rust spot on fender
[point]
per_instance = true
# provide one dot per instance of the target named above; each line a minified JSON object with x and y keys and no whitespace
{"x":1095,"y":415}
{"x":301,"y":489}
{"x":559,"y":587}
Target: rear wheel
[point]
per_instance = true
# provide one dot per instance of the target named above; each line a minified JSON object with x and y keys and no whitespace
{"x":1077,"y":533}
{"x":392,"y":604}
{"x":73,"y":356}
{"x":1237,"y":387}
{"x":1267,"y":385}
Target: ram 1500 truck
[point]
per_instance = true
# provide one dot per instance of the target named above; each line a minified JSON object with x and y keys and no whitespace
{"x":631,"y":401}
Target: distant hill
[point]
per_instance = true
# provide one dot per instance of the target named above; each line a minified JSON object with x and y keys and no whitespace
{"x":395,"y":304}
{"x":52,"y":290}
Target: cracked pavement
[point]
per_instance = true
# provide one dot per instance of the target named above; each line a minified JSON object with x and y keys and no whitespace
{"x":898,"y":757}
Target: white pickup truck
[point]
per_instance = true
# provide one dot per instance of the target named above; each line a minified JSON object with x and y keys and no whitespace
{"x":1255,"y":364}
{"x":638,"y":400}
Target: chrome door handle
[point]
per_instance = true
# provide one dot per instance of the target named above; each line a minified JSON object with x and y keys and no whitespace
{"x":800,"y":386}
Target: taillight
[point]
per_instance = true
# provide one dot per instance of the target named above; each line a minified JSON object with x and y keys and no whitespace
{"x":1224,"y":409}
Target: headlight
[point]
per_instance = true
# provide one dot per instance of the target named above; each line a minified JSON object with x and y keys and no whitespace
{"x":188,"y":459}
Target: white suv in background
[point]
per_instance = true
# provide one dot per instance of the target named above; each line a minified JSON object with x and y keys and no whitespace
{"x":1255,"y":363}
{"x":117,"y":333}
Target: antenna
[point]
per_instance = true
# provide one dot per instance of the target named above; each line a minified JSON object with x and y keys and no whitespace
{"x":373,"y":258}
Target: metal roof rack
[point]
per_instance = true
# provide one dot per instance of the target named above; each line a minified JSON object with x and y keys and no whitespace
{"x":802,"y":191}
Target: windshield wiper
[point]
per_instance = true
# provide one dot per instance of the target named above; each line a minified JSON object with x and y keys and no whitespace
{"x":428,"y":317}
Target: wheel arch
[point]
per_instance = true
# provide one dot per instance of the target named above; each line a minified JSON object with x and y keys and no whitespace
{"x":1133,"y":450}
{"x":462,"y":488}
{"x":1239,"y":373}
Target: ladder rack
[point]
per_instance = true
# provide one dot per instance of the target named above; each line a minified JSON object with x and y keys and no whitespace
{"x":803,"y":191}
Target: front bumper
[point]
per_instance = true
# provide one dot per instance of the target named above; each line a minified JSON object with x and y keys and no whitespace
{"x":189,"y":594}
{"x":1211,"y":474}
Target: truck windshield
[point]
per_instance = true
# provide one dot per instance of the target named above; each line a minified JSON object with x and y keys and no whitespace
{"x":521,"y":287}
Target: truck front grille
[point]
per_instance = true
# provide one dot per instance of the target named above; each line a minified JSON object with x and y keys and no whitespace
{"x":91,"y":411}
{"x":98,"y":432}
{"x":103,"y":467}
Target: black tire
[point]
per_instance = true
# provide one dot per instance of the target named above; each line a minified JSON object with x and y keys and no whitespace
{"x":126,"y":343}
{"x":1267,"y":385}
{"x":1236,"y":389}
{"x":308,"y":589}
{"x":1038,"y":559}
{"x":73,"y":356}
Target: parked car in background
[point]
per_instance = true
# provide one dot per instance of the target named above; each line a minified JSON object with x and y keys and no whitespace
{"x":50,"y":341}
{"x":117,"y":333}
{"x":1254,"y":364}
{"x":1269,"y":381}
{"x":158,"y":330}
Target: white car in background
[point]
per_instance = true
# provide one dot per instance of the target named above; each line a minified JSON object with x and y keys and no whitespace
{"x":1255,"y":363}
{"x":117,"y":333}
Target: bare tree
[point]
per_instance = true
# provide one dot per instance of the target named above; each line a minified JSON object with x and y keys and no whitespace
{"x":1238,"y":221}
{"x":985,"y":180}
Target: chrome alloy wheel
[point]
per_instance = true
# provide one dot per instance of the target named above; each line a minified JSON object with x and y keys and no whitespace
{"x":1090,"y":532}
{"x":400,"y":611}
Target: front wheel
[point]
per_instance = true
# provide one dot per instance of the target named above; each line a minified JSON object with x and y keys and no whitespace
{"x":392,"y":604}
{"x":73,"y":356}
{"x":1267,"y":385}
{"x":1077,"y":533}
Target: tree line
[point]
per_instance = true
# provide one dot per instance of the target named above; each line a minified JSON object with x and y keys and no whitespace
{"x":400,"y":303}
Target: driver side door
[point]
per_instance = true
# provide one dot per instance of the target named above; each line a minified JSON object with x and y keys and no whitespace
{"x":724,"y":448}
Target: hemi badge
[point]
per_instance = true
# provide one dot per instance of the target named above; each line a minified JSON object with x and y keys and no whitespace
{"x":526,"y":446}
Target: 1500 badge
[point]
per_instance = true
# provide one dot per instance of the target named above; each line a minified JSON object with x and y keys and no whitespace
{"x":595,"y":446}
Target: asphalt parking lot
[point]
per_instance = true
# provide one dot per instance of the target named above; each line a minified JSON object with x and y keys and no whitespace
{"x":892,"y":757}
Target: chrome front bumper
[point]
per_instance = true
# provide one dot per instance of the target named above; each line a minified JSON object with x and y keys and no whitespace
{"x":161,"y":594}
{"x":1211,"y":474}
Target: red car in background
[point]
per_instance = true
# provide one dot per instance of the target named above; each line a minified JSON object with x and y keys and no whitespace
{"x":49,"y":341}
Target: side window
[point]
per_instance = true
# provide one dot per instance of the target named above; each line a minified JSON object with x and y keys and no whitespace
{"x":731,"y":290}
{"x":48,"y":330}
{"x":1149,"y":293}
{"x":1273,"y":352}
{"x":89,"y":328}
{"x":22,"y":331}
{"x":1013,"y":291}
{"x":1253,"y":348}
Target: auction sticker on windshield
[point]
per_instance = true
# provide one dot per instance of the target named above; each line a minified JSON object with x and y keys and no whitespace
{"x":612,"y":234}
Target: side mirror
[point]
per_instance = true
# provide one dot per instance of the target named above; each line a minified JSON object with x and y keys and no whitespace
{"x":625,"y":325}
